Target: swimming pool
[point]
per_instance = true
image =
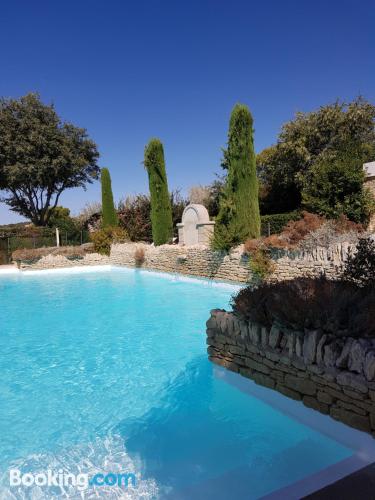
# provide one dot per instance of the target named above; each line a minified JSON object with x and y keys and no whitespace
{"x":107,"y":371}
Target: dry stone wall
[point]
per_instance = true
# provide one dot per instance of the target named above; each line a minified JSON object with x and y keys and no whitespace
{"x":335,"y":376}
{"x":201,"y":261}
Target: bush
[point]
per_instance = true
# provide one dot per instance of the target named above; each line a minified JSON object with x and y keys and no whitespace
{"x":332,"y":232}
{"x":261,"y":264}
{"x":104,"y":238}
{"x":360,"y":266}
{"x":275,"y":223}
{"x":337,"y":307}
{"x":135,"y":215}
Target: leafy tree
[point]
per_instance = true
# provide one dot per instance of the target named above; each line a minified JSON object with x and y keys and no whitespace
{"x":161,"y":213}
{"x":109,"y":215}
{"x":60,"y":217}
{"x":40,"y":157}
{"x":318,"y":136}
{"x":334,"y":186}
{"x":238,"y":217}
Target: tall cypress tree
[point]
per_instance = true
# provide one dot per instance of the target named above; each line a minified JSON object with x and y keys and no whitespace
{"x":109,"y":215}
{"x":161,"y":211}
{"x":238,"y":217}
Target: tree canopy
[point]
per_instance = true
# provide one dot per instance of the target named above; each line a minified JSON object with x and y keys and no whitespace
{"x":309,"y":141}
{"x":40,"y":157}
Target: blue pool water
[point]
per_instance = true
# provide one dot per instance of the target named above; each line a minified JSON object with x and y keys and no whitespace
{"x":108,"y":371}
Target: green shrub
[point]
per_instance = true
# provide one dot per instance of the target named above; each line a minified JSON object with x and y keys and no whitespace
{"x":161,"y":212}
{"x":275,"y":223}
{"x":261,"y":264}
{"x":109,"y":215}
{"x":104,"y":238}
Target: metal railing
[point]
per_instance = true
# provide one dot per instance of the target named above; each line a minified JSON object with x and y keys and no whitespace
{"x":46,"y":238}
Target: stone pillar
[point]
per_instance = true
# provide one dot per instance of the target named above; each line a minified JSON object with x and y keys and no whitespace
{"x":369,"y":169}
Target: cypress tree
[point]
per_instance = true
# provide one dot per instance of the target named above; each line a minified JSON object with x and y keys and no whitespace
{"x":161,"y":211}
{"x":109,"y":215}
{"x":238,"y":217}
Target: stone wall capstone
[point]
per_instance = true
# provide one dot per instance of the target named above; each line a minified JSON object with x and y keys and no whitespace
{"x":335,"y":376}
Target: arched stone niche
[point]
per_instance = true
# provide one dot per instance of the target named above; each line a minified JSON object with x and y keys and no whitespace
{"x":195,"y":227}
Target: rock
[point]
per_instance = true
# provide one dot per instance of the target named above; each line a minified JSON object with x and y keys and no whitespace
{"x":259,"y":367}
{"x":264,"y":336}
{"x":320,"y":349}
{"x":244,"y":329}
{"x":323,"y":397}
{"x":310,"y":345}
{"x":299,"y":344}
{"x":356,"y":382}
{"x":332,"y":352}
{"x":255,"y":333}
{"x":275,"y":337}
{"x":288,"y":392}
{"x":311,"y":402}
{"x":343,"y":359}
{"x":357,"y":356}
{"x":261,"y":379}
{"x":291,"y":344}
{"x":369,"y":365}
{"x":303,"y":386}
{"x":357,"y":421}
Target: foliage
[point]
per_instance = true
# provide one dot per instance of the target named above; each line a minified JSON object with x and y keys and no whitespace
{"x":40,"y":157}
{"x":312,"y":139}
{"x":337,"y":307}
{"x":161,"y":212}
{"x":135,"y":215}
{"x":199,"y":194}
{"x":238,"y":216}
{"x":109,"y":215}
{"x":360,"y":266}
{"x":34,"y":254}
{"x":275,"y":223}
{"x":334,"y":186}
{"x":103,"y":238}
{"x":69,"y":227}
{"x":261,"y":264}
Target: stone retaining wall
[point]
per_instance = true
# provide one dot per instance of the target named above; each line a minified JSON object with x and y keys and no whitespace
{"x":202,"y":261}
{"x":333,"y":376}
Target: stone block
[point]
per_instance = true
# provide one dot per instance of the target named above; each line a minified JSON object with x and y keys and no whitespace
{"x":303,"y":386}
{"x":290,"y":393}
{"x":261,"y":379}
{"x":275,"y":337}
{"x":310,"y":345}
{"x":359,"y":422}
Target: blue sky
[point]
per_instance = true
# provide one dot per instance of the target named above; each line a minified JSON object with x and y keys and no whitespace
{"x":129,"y":71}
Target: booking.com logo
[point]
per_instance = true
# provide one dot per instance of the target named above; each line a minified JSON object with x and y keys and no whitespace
{"x":81,"y":481}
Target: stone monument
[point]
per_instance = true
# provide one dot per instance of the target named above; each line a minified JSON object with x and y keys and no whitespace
{"x":195,"y":227}
{"x":369,"y":169}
